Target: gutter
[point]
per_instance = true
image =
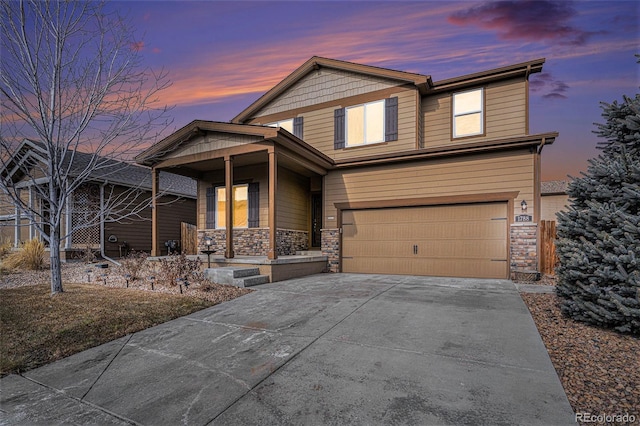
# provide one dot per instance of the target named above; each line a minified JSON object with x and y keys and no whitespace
{"x":102,"y":253}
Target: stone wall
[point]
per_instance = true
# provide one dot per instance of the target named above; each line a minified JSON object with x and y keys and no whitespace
{"x":524,"y":247}
{"x":331,"y":248}
{"x":290,"y":240}
{"x":255,"y":241}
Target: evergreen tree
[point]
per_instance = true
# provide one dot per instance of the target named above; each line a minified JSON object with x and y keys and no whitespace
{"x":599,"y":236}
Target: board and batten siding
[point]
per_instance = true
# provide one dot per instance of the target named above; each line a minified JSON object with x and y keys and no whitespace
{"x":324,"y":85}
{"x":473,"y":174}
{"x":505,"y":114}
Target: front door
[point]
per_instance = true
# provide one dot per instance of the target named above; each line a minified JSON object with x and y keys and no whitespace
{"x":316,"y":219}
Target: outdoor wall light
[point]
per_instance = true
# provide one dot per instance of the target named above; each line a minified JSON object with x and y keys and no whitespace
{"x":523,"y":204}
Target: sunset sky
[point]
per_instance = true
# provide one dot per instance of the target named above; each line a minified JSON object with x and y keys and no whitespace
{"x":221,"y":56}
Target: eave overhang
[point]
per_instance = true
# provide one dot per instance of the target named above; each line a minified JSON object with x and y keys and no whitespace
{"x":523,"y":69}
{"x":536,"y":141}
{"x":269,"y":137}
{"x":422,"y":82}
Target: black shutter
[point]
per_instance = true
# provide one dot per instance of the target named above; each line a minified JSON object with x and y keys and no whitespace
{"x":338,"y":128}
{"x":297,"y":127}
{"x":211,"y":208}
{"x":254,"y":205}
{"x":391,"y":119}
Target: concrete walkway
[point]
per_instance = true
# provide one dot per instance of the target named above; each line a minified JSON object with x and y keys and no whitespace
{"x":326,"y":349}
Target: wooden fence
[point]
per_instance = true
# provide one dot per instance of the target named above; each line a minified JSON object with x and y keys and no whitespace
{"x":548,"y":257}
{"x":188,"y":238}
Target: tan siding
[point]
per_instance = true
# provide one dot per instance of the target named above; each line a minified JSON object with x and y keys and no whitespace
{"x":212,"y":141}
{"x":505,"y":114}
{"x":325,"y":85}
{"x":292,"y":201}
{"x":552,"y":204}
{"x":258,"y":173}
{"x":474,"y":174}
{"x":318,"y":130}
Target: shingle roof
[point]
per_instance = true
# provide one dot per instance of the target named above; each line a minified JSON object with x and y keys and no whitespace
{"x":121,"y":173}
{"x":554,"y":187}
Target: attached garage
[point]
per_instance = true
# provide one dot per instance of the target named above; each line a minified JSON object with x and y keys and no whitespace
{"x":463,"y":240}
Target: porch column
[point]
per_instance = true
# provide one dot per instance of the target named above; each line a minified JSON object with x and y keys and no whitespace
{"x":32,"y":229}
{"x":155,"y":237}
{"x":273,"y":185}
{"x":18,"y":221}
{"x":228,"y":205}
{"x":67,"y":220}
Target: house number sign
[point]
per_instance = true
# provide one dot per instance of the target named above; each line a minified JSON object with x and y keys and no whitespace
{"x":524,"y":218}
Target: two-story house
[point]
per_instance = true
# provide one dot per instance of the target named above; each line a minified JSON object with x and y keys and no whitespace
{"x":382,"y":171}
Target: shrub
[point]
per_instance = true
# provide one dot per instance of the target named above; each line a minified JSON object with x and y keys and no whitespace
{"x":5,"y":246}
{"x":133,"y":264}
{"x":30,"y":256}
{"x":177,"y":266}
{"x":599,"y":235}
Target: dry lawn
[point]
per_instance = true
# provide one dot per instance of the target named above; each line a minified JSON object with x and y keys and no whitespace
{"x":37,"y":328}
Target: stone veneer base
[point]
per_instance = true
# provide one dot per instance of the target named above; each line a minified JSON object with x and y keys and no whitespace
{"x":255,"y":241}
{"x":524,"y":247}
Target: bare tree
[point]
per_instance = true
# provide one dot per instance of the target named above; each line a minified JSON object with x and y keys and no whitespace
{"x":71,"y":80}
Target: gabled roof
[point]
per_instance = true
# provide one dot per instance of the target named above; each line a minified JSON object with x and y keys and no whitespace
{"x":110,"y":171}
{"x":554,"y":187}
{"x":422,"y":82}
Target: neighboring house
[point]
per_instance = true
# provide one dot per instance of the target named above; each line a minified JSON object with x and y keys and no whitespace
{"x":554,"y":198}
{"x":114,"y":179}
{"x":381,"y":171}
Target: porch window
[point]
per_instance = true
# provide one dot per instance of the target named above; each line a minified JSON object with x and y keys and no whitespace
{"x":468,"y":114}
{"x":240,"y":206}
{"x":246,"y":206}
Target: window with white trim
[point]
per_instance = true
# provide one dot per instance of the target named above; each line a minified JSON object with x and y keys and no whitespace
{"x":468,"y":113}
{"x":365,"y":123}
{"x":285,"y":124}
{"x":240,"y":206}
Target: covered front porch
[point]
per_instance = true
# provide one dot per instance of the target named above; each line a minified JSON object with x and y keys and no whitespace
{"x":259,"y":193}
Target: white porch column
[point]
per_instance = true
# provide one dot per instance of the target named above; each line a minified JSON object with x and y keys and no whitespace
{"x":32,"y":227}
{"x":228,"y":217}
{"x":18,"y":222}
{"x":67,"y":220}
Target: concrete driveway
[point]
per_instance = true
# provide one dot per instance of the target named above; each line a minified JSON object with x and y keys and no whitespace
{"x":325,"y":349}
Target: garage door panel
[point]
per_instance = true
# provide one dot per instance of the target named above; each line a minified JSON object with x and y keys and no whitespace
{"x":460,"y":240}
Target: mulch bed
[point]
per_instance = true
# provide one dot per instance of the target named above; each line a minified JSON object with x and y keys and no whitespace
{"x":599,"y":369}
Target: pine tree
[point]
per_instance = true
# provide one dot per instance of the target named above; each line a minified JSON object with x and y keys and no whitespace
{"x":599,"y":236}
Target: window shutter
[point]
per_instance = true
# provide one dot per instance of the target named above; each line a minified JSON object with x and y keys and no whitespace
{"x":297,"y":127}
{"x":254,"y":204}
{"x":338,"y":128}
{"x":391,"y":119}
{"x":211,"y":208}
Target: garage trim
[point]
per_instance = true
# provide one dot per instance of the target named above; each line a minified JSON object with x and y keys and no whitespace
{"x":507,"y":197}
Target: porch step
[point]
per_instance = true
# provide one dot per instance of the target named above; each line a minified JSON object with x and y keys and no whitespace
{"x":308,"y":253}
{"x":236,"y":275}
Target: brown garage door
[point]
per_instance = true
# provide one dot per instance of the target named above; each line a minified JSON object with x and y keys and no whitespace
{"x":468,"y":240}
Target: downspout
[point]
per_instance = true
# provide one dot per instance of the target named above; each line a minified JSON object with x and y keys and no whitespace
{"x":102,"y":253}
{"x":544,"y":140}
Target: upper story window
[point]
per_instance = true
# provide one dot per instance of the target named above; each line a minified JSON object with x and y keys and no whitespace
{"x":292,"y":125}
{"x":468,"y":113}
{"x":285,"y":124}
{"x":364,"y":124}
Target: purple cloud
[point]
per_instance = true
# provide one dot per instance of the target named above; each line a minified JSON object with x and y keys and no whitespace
{"x":531,"y":20}
{"x":549,"y":87}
